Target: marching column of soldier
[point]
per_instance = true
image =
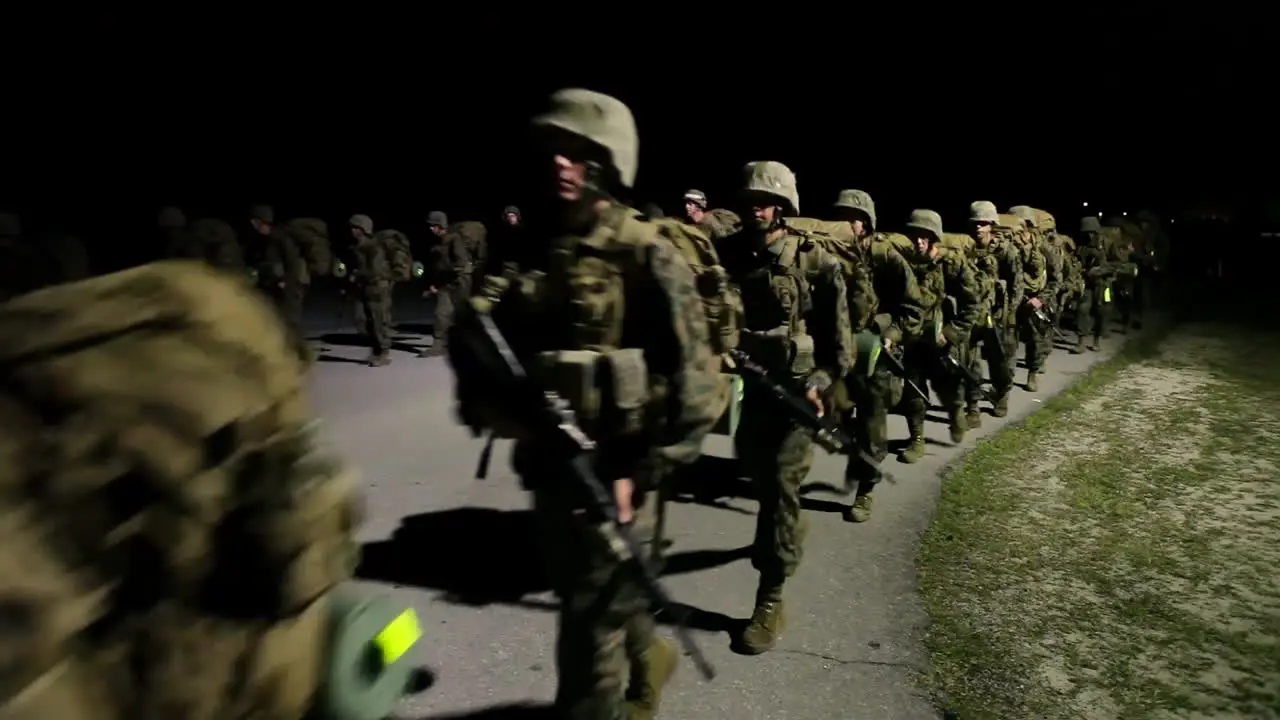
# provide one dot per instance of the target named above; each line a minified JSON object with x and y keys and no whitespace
{"x":857,"y":321}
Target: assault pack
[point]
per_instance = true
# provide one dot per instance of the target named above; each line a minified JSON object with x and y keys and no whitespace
{"x":399,"y":253}
{"x":311,"y":236}
{"x":167,"y":517}
{"x":475,"y":237}
{"x":219,"y":243}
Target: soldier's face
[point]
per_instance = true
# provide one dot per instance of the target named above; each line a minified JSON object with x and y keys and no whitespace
{"x":437,"y":230}
{"x":691,"y":209}
{"x":512,"y":219}
{"x":261,"y":226}
{"x":982,"y":232}
{"x":764,"y":214}
{"x":924,"y":244}
{"x":571,"y":177}
{"x":859,"y":227}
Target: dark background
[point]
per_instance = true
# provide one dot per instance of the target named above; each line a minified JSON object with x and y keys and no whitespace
{"x":116,"y":113}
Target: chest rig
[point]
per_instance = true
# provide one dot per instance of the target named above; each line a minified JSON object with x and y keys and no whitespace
{"x":776,"y":298}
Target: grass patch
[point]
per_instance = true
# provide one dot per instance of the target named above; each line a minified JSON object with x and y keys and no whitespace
{"x":1118,"y":554}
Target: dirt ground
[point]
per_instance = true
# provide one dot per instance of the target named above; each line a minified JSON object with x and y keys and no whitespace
{"x":1118,"y":556}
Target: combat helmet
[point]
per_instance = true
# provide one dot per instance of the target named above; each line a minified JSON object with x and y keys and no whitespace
{"x":603,"y":120}
{"x":983,"y":211}
{"x":926,"y":221}
{"x":363,"y":222}
{"x":697,"y":197}
{"x":860,"y":201}
{"x":171,"y":217}
{"x":773,"y":178}
{"x":1090,"y":224}
{"x":1025,"y":213}
{"x":263,"y":213}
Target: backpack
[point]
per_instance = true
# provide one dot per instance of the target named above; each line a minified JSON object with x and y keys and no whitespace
{"x":897,"y":241}
{"x":475,"y":237}
{"x":1045,"y":220}
{"x":167,"y":521}
{"x":399,"y":253}
{"x":819,"y":229}
{"x":311,"y":235}
{"x":958,"y":243}
{"x":220,"y":243}
{"x":723,"y":223}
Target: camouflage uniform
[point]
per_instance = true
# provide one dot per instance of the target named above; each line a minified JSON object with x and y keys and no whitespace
{"x":278,"y":270}
{"x":893,"y":310}
{"x":1072,"y":275}
{"x":450,"y":274}
{"x":1093,"y":310}
{"x":945,"y":281}
{"x":370,"y":278}
{"x":1037,"y":335}
{"x":997,"y":267}
{"x":1126,"y":258}
{"x":789,"y":286}
{"x":614,"y":292}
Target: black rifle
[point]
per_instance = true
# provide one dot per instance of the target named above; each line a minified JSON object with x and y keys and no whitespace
{"x":826,"y":432}
{"x":965,"y":373}
{"x":553,"y":424}
{"x":895,"y":362}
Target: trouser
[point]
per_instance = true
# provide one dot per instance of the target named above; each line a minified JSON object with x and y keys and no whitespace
{"x":1135,"y":301}
{"x":777,"y":454}
{"x":988,"y":343}
{"x":925,"y":369}
{"x":288,"y":302}
{"x":1093,"y":311}
{"x":447,"y":300}
{"x":1037,"y":337}
{"x":604,"y":612}
{"x":868,"y":423}
{"x":373,"y":316}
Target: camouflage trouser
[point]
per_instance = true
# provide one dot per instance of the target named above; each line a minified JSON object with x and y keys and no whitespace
{"x":987,"y":343}
{"x":869,"y":423}
{"x":447,"y":300}
{"x":373,"y":316}
{"x":1038,"y":339}
{"x":924,"y":368}
{"x":1093,"y":311}
{"x":777,"y":455}
{"x":604,"y":611}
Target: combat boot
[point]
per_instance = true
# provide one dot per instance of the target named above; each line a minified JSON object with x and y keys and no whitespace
{"x":1001,"y":407}
{"x":380,"y":359}
{"x":915,"y":447}
{"x":860,"y":511}
{"x":1096,"y":344}
{"x":1032,"y":383}
{"x":655,"y":668}
{"x":1079,"y":348}
{"x":767,"y":620}
{"x":973,"y":416}
{"x":428,"y":351}
{"x":958,"y":425}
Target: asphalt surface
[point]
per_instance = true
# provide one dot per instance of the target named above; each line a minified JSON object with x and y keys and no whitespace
{"x":461,"y":552}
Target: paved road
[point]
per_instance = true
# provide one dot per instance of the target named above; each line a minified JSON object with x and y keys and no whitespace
{"x":459,"y":550}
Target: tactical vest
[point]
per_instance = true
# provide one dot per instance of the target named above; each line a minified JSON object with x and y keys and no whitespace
{"x":776,"y":298}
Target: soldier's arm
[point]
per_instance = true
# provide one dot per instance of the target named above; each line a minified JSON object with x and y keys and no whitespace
{"x":962,"y":284}
{"x":909,"y":322}
{"x":862,"y":298}
{"x":1053,"y":273}
{"x":679,"y":349}
{"x":1035,"y":269}
{"x":459,"y":255}
{"x":833,"y":345}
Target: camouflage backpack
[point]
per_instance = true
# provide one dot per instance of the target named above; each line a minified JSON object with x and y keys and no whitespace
{"x":721,"y":223}
{"x":167,"y":530}
{"x":221,"y":245}
{"x":399,"y":253}
{"x":896,"y":241}
{"x":475,"y":237}
{"x":311,"y":235}
{"x":958,"y":243}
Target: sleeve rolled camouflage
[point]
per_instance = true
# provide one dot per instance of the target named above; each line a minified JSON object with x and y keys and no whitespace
{"x":1053,"y":271}
{"x":863,"y":300}
{"x":680,"y":350}
{"x":963,"y":285}
{"x":833,"y":349}
{"x":1033,"y":269}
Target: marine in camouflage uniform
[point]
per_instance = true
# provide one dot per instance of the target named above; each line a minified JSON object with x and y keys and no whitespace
{"x":952,"y":303}
{"x":893,"y":309}
{"x":716,"y":223}
{"x":450,"y":278}
{"x":997,"y":267}
{"x":1072,"y":276}
{"x":370,"y":279}
{"x":1126,"y":259}
{"x":1093,"y":310}
{"x":278,"y":269}
{"x":795,"y":324}
{"x":595,"y":283}
{"x":511,"y":216}
{"x":1037,"y":335}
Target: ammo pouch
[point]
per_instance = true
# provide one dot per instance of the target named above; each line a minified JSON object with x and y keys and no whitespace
{"x":779,"y":351}
{"x":609,"y":391}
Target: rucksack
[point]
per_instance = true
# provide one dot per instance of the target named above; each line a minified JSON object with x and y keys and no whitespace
{"x":167,"y":520}
{"x":399,"y":253}
{"x":723,"y":223}
{"x":903,"y":244}
{"x":220,"y":243}
{"x":311,"y":235}
{"x":958,"y":243}
{"x":476,"y":239}
{"x":840,"y":231}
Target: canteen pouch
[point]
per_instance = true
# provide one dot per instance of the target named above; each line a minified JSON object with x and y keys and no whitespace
{"x":608,"y":391}
{"x":802,"y":362}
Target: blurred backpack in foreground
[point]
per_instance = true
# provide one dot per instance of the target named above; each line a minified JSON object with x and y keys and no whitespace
{"x":172,"y":532}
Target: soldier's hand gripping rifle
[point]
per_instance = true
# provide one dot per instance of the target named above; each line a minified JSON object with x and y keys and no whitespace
{"x":965,"y":373}
{"x":550,"y":422}
{"x":826,"y":432}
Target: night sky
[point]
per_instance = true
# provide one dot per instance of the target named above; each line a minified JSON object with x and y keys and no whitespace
{"x":397,"y":115}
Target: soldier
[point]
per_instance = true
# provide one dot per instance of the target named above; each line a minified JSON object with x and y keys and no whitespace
{"x":370,"y":278}
{"x":1093,"y":310}
{"x":278,"y":270}
{"x":175,"y":240}
{"x":894,"y":311}
{"x":790,"y":288}
{"x":450,"y":278}
{"x":562,"y":306}
{"x":952,"y":303}
{"x":997,"y":268}
{"x":511,"y":215}
{"x":1036,"y":333}
{"x":716,"y":224}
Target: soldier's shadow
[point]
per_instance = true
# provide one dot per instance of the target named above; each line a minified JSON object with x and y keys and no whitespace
{"x":519,"y":711}
{"x":343,"y":339}
{"x":414,"y":328}
{"x":714,"y":481}
{"x":482,"y":556}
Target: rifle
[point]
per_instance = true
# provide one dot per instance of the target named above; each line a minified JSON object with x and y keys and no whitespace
{"x":551,"y":421}
{"x":826,"y":432}
{"x":955,"y":367}
{"x":901,"y":371}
